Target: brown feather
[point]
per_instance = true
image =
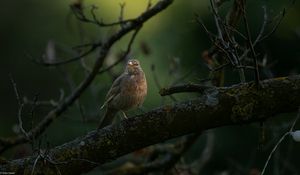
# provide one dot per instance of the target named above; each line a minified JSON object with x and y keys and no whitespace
{"x":108,"y":117}
{"x":127,"y":91}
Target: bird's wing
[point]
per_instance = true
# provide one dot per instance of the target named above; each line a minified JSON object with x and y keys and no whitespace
{"x":114,"y":90}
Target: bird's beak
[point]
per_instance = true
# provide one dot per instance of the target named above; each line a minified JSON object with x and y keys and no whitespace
{"x":130,"y":64}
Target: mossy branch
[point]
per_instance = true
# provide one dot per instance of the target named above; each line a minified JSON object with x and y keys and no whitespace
{"x":239,"y":104}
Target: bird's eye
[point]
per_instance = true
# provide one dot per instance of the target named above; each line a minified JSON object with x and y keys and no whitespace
{"x":133,"y":63}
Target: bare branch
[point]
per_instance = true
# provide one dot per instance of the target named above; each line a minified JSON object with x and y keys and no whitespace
{"x":51,"y":102}
{"x":216,"y":18}
{"x":62,"y":62}
{"x":79,"y":14}
{"x":274,"y":28}
{"x":249,"y":40}
{"x":225,"y":41}
{"x":125,"y":54}
{"x":122,"y":7}
{"x":211,"y":36}
{"x":105,"y":47}
{"x":21,"y":105}
{"x":260,"y":37}
{"x":149,"y":5}
{"x":279,"y":142}
{"x":184,"y":88}
{"x":263,"y":26}
{"x":122,"y":57}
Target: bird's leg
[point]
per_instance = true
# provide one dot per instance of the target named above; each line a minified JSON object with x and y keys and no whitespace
{"x":124,"y":115}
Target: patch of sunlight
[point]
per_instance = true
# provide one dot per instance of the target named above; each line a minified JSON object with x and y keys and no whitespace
{"x":111,"y":8}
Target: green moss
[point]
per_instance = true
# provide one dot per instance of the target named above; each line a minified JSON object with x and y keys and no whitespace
{"x":242,"y":112}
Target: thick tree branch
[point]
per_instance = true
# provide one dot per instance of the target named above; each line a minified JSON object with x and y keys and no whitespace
{"x":239,"y":104}
{"x":105,"y":47}
{"x":191,"y":87}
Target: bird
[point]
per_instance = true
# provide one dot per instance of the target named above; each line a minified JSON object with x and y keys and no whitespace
{"x":127,"y":91}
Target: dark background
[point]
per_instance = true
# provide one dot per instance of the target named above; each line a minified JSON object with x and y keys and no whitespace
{"x":27,"y":26}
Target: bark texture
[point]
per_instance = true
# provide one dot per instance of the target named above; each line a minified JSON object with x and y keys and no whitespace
{"x":239,"y":104}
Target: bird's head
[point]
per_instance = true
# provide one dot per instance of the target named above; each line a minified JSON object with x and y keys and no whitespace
{"x":133,"y":67}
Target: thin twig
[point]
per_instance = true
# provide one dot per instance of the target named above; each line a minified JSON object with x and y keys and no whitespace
{"x":213,"y":39}
{"x":125,"y":54}
{"x":225,"y":42}
{"x":51,"y":102}
{"x":263,"y":26}
{"x":260,"y":36}
{"x":295,"y":121}
{"x":249,"y":40}
{"x":209,"y":34}
{"x":274,"y":28}
{"x":122,"y":7}
{"x":83,"y":45}
{"x":122,"y":58}
{"x":34,"y":105}
{"x":149,"y":4}
{"x":272,"y":152}
{"x":21,"y":105}
{"x":280,"y":140}
{"x":15,"y":90}
{"x":62,"y":62}
{"x":220,"y":67}
{"x":234,"y":30}
{"x":216,"y":17}
{"x":34,"y":164}
{"x":81,"y":17}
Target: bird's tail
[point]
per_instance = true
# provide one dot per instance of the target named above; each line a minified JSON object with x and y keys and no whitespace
{"x":108,"y":117}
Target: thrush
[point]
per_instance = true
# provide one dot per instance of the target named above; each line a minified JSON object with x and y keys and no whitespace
{"x":127,"y":91}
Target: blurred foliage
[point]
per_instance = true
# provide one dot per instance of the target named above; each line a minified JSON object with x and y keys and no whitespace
{"x":172,"y":41}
